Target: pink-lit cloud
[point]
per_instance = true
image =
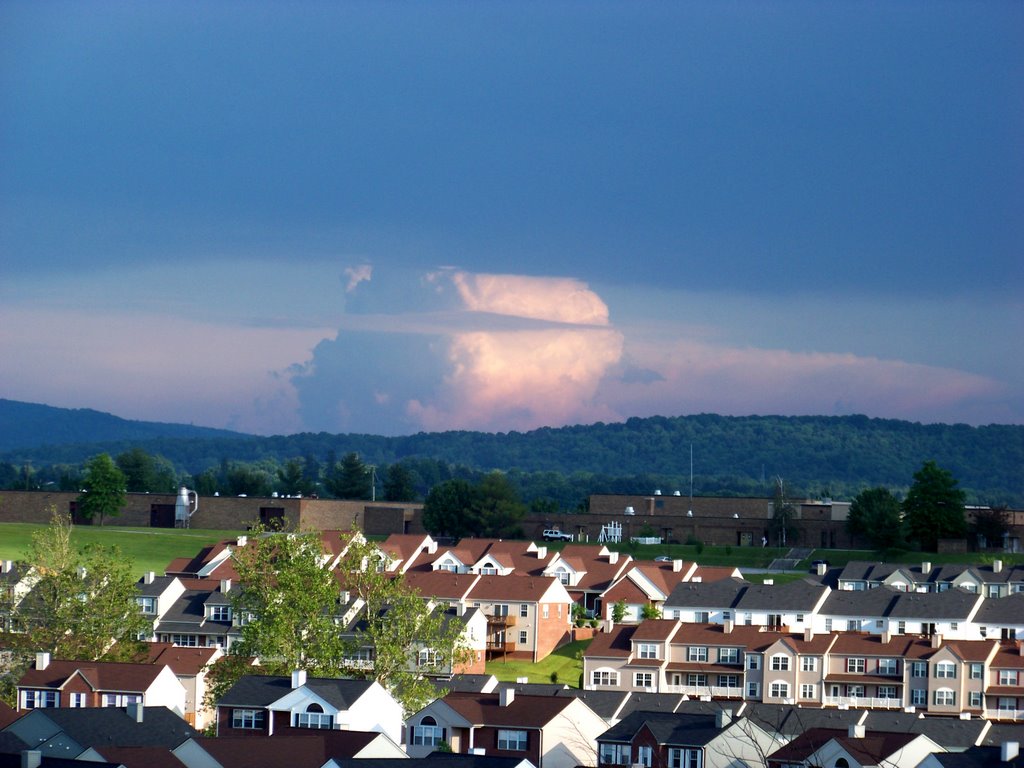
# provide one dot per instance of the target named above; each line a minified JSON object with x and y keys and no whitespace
{"x":355,"y":275}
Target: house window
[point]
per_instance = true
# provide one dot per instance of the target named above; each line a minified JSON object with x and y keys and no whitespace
{"x":697,"y":679}
{"x":39,"y":699}
{"x":828,"y":625}
{"x":604,"y":677}
{"x":729,"y":681}
{"x":918,"y":697}
{"x":314,"y":717}
{"x":887,"y":667}
{"x":887,"y":691}
{"x":220,"y":613}
{"x":545,"y":610}
{"x":945,"y":697}
{"x":563,"y":576}
{"x":119,"y":699}
{"x":250,"y":719}
{"x":647,"y":650}
{"x":488,"y":570}
{"x":954,"y":626}
{"x":855,"y":666}
{"x":809,"y":663}
{"x":524,"y":637}
{"x":146,"y":604}
{"x":514,"y":741}
{"x":427,"y":733}
{"x":852,"y":625}
{"x":697,"y":653}
{"x":643,"y":680}
{"x":946,"y":669}
{"x":775,"y":621}
{"x":500,"y":609}
{"x":748,"y":619}
{"x":753,"y":690}
{"x":188,"y":641}
{"x":919,"y":669}
{"x":1007,"y":677}
{"x":977,"y":671}
{"x":643,"y":756}
{"x":780,"y":663}
{"x":807,"y":691}
{"x":524,"y":610}
{"x":1007,"y":704}
{"x":975,"y":699}
{"x":702,"y":617}
{"x":615,"y":754}
{"x":428,"y":657}
{"x":753,"y":661}
{"x":779,"y":690}
{"x":856,"y":691}
{"x":901,"y":628}
{"x":685,"y":758}
{"x":728,"y":655}
{"x":77,"y":700}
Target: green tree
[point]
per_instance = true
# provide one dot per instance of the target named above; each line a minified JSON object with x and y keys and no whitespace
{"x":146,"y":473}
{"x":934,"y":507}
{"x":103,"y":489}
{"x":82,"y":604}
{"x":449,"y":509}
{"x":650,"y":611}
{"x":399,"y":483}
{"x":246,"y":480}
{"x":619,"y":611}
{"x":876,"y":514}
{"x":291,"y":479}
{"x":349,"y":479}
{"x":499,"y":510}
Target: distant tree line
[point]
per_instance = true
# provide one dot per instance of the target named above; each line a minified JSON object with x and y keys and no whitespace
{"x":733,"y":456}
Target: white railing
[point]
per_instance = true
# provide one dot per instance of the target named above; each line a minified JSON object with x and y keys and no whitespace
{"x":871,"y":702}
{"x":1004,"y":714}
{"x":715,"y":691}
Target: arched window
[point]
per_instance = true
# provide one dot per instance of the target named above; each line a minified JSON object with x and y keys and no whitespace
{"x":427,"y":734}
{"x":842,"y":762}
{"x":314,"y":717}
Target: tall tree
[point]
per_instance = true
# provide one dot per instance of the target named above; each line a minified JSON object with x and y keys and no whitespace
{"x":146,"y":473}
{"x":499,"y":509}
{"x":103,"y":489}
{"x":934,"y":507}
{"x":349,"y":479}
{"x":291,"y":479}
{"x":81,"y":602}
{"x":399,"y":483}
{"x":876,"y":514}
{"x":449,"y":509}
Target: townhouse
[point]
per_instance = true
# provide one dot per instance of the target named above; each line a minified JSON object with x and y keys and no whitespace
{"x":85,"y":684}
{"x":588,"y":572}
{"x":991,"y":580}
{"x":646,"y":584}
{"x":191,"y":666}
{"x":549,"y":731}
{"x":853,"y":748}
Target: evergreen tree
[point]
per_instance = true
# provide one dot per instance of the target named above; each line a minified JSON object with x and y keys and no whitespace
{"x":934,"y":507}
{"x":399,"y":483}
{"x":349,"y":479}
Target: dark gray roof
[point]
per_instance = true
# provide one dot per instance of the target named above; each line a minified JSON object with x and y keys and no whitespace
{"x":792,"y":721}
{"x":606,"y":704}
{"x":466,"y":683}
{"x":264,"y":690}
{"x":955,"y":604}
{"x":949,"y":732}
{"x":1002,"y":610}
{"x":155,"y":588}
{"x":108,"y":726}
{"x":667,"y":727}
{"x":435,"y":760}
{"x":1002,"y":732}
{"x":187,"y":614}
{"x":652,"y":702}
{"x":706,"y":594}
{"x":13,"y":760}
{"x":978,"y":757}
{"x":535,"y":689}
{"x":865,"y":602}
{"x":799,"y":596}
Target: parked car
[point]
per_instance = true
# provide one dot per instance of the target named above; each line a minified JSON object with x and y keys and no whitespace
{"x":663,"y":559}
{"x":553,"y":534}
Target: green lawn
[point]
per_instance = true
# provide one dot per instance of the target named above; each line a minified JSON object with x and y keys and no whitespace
{"x":149,"y":549}
{"x":566,"y":663}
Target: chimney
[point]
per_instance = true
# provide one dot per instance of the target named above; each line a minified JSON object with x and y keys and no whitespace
{"x":1009,"y":750}
{"x":42,"y":660}
{"x":722,"y":718}
{"x":8,"y":566}
{"x":542,"y":552}
{"x":135,"y":711}
{"x":298,"y":678}
{"x":225,"y":586}
{"x":997,"y":566}
{"x":150,"y":577}
{"x":769,"y":582}
{"x":727,"y":626}
{"x":808,"y":634}
{"x":856,"y":731}
{"x":926,"y":567}
{"x":31,"y":758}
{"x":677,"y":566}
{"x":506,"y":696}
{"x":820,"y":569}
{"x":609,"y":624}
{"x":242,"y":541}
{"x":613,"y":557}
{"x":937,"y":640}
{"x":885,"y":637}
{"x":697,"y":579}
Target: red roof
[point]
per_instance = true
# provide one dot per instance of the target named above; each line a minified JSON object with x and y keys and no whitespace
{"x":100,"y":675}
{"x":524,"y":711}
{"x":184,"y":662}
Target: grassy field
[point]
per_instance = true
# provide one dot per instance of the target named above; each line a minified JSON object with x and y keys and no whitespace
{"x":149,"y":549}
{"x":566,"y":663}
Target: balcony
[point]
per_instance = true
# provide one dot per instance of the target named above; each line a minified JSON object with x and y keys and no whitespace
{"x":1004,"y":714}
{"x":714,"y":691}
{"x":870,"y":702}
{"x":498,"y":646}
{"x":501,"y":620}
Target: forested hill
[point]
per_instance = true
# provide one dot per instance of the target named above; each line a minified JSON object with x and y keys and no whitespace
{"x":815,"y":455}
{"x":31,"y":425}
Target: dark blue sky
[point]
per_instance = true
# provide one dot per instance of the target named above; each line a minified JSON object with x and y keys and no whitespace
{"x":781,"y":207}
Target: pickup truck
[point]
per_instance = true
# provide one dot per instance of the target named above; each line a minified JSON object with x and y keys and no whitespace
{"x":553,"y":534}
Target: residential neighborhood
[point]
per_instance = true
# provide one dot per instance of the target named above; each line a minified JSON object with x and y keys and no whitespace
{"x":688,"y":666}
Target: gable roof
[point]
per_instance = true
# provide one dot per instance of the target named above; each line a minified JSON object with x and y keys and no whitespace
{"x":105,"y":726}
{"x":860,"y":602}
{"x":524,"y":711}
{"x":724,"y":593}
{"x":184,"y":662}
{"x":801,"y":596}
{"x":264,"y":690}
{"x":955,"y":604}
{"x":668,"y":728}
{"x":100,"y":675}
{"x":1002,"y":610}
{"x":310,"y":750}
{"x":873,"y":748}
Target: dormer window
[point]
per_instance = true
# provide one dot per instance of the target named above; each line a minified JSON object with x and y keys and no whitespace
{"x":220,"y":613}
{"x":647,"y":650}
{"x":146,"y":604}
